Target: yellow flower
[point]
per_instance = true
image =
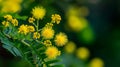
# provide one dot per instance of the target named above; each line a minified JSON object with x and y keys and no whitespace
{"x":38,"y":12}
{"x":47,"y":43}
{"x":8,"y":17}
{"x":56,"y":18}
{"x":36,"y":35}
{"x":70,"y":47}
{"x":61,"y":39}
{"x":52,"y":52}
{"x":31,"y":28}
{"x":47,"y":32}
{"x":83,"y":53}
{"x":23,"y":29}
{"x":31,"y":20}
{"x":5,"y":23}
{"x":96,"y":62}
{"x":14,"y":22}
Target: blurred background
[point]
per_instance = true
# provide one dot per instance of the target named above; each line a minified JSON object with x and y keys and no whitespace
{"x":92,"y":26}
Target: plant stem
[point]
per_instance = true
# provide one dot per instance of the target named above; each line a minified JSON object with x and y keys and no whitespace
{"x":25,"y":43}
{"x":37,"y":25}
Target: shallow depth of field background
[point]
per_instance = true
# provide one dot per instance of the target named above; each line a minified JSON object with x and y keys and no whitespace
{"x":96,"y":28}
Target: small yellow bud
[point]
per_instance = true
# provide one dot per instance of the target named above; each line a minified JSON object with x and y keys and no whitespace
{"x":31,"y":20}
{"x":8,"y":17}
{"x":14,"y":22}
{"x":36,"y":35}
{"x":31,"y":28}
{"x":56,"y":18}
{"x":47,"y":43}
{"x":5,"y":23}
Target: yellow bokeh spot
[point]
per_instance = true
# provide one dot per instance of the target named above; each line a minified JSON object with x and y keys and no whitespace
{"x":70,"y":47}
{"x":82,"y":53}
{"x":9,"y":6}
{"x":96,"y":62}
{"x":77,"y":24}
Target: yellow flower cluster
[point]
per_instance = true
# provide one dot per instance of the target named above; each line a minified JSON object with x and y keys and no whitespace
{"x":61,"y":39}
{"x":52,"y":52}
{"x":25,"y":29}
{"x":36,"y":35}
{"x":10,"y":20}
{"x":56,"y":18}
{"x":38,"y":12}
{"x":10,"y":6}
{"x":47,"y":33}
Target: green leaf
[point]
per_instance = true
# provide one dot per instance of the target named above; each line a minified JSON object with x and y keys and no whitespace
{"x":53,"y":61}
{"x":9,"y":46}
{"x":20,"y":17}
{"x":61,"y":65}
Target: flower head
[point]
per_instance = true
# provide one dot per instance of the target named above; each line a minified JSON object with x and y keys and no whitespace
{"x":31,"y":28}
{"x":14,"y":22}
{"x":56,"y":18}
{"x":23,"y":29}
{"x":36,"y":35}
{"x":61,"y":39}
{"x":5,"y":23}
{"x":52,"y":52}
{"x":82,"y":53}
{"x":31,"y":20}
{"x":38,"y":12}
{"x":8,"y":17}
{"x":47,"y":32}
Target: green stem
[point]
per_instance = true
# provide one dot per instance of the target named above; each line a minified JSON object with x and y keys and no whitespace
{"x":31,"y":47}
{"x":37,"y":25}
{"x":25,"y":43}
